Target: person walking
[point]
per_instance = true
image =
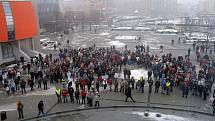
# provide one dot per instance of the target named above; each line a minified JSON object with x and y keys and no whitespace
{"x":20,"y":107}
{"x":128,"y":94}
{"x":58,"y":94}
{"x":64,"y":94}
{"x":40,"y":108}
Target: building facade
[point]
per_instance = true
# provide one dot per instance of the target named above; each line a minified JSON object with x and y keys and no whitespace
{"x":49,"y":13}
{"x":207,"y":7}
{"x":18,"y":30}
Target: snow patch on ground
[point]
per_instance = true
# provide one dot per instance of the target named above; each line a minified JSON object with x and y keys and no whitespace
{"x":104,"y":34}
{"x":136,"y":73}
{"x":142,"y":28}
{"x":122,"y":28}
{"x":117,"y":44}
{"x":50,"y":91}
{"x":164,"y":117}
{"x":125,"y":37}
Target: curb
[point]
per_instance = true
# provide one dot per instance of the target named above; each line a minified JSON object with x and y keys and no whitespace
{"x":117,"y":106}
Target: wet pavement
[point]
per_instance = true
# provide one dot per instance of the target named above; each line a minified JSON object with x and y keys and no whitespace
{"x":129,"y":114}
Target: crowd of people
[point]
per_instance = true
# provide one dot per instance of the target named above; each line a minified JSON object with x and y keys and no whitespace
{"x":82,"y":72}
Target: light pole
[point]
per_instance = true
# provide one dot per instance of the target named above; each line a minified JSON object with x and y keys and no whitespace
{"x":150,"y":81}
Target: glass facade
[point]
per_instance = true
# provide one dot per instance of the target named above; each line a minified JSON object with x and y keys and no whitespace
{"x":7,"y":50}
{"x":9,"y":20}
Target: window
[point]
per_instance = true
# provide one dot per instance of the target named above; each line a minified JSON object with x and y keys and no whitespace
{"x":11,"y":35}
{"x":7,"y":50}
{"x":8,"y":14}
{"x":9,"y":20}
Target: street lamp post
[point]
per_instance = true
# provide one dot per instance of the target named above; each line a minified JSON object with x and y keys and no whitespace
{"x":150,"y":81}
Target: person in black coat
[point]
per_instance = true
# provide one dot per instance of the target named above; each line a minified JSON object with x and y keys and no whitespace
{"x":128,"y":94}
{"x":45,"y":82}
{"x":40,"y":108}
{"x":157,"y":86}
{"x":71,"y":92}
{"x":149,"y":74}
{"x":213,"y":105}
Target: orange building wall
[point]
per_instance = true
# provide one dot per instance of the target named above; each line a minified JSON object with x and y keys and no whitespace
{"x":3,"y":25}
{"x":24,"y":19}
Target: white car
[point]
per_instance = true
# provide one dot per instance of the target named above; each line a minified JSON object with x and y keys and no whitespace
{"x":44,"y":40}
{"x":50,"y":44}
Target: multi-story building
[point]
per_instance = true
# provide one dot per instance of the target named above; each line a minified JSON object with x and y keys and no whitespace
{"x":163,"y":8}
{"x":49,"y":13}
{"x":18,"y":30}
{"x":207,"y":7}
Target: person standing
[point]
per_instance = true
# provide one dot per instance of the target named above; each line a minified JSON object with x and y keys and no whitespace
{"x":97,"y":85}
{"x":71,"y":92}
{"x":45,"y":81}
{"x":157,"y":86}
{"x":58,"y":94}
{"x":185,"y":89}
{"x":213,"y":105}
{"x":20,"y":107}
{"x":77,"y":96}
{"x":40,"y":108}
{"x":149,"y":74}
{"x":132,"y":83}
{"x":214,"y":94}
{"x":110,"y":82}
{"x":7,"y":90}
{"x":64,"y":94}
{"x":142,"y":83}
{"x":23,"y":83}
{"x":31,"y":83}
{"x":122,"y":86}
{"x":189,"y":50}
{"x":116,"y":84}
{"x":168,"y":87}
{"x":39,"y":82}
{"x":128,"y":94}
{"x":83,"y":95}
{"x":97,"y":98}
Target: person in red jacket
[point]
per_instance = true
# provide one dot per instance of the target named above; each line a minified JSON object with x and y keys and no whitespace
{"x":83,"y":95}
{"x":110,"y":82}
{"x":64,"y":94}
{"x":83,"y":84}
